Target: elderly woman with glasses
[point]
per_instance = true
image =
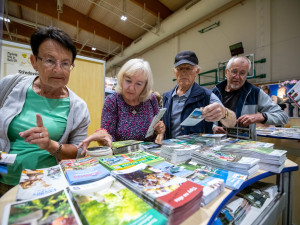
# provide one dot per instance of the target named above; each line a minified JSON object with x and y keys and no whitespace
{"x":42,"y":120}
{"x":127,"y":113}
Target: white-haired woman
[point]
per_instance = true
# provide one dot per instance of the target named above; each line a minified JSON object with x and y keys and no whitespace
{"x":127,"y":113}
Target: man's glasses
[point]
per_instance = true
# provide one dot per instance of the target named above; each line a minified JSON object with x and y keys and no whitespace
{"x":51,"y":63}
{"x":236,"y":72}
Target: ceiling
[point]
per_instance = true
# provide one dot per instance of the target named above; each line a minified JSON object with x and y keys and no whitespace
{"x":90,"y":23}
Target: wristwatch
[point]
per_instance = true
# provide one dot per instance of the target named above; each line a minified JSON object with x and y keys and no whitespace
{"x":265,"y":116}
{"x":226,"y":114}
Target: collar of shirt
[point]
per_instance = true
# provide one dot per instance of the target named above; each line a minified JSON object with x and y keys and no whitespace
{"x":185,"y":95}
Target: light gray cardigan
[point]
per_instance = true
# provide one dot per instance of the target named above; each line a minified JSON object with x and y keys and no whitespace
{"x":78,"y":118}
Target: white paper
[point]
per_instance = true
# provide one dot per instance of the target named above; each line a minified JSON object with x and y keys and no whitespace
{"x":154,"y":121}
{"x":194,"y":118}
{"x":8,"y":158}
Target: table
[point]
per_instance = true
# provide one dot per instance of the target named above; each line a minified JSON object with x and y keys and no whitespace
{"x":280,"y":133}
{"x":207,"y":214}
{"x":284,"y":180}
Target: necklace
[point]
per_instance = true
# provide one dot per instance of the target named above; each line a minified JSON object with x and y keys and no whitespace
{"x":134,"y":112}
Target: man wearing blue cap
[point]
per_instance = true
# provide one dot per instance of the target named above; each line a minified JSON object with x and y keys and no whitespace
{"x":187,"y":96}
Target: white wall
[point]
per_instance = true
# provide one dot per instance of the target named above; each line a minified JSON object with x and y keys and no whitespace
{"x":268,"y":28}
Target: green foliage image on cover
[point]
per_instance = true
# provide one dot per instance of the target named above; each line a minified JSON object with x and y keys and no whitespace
{"x":46,"y":210}
{"x":121,"y":208}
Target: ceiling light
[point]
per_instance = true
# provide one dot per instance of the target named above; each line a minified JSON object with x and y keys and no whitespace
{"x":123,"y":17}
{"x":93,"y":49}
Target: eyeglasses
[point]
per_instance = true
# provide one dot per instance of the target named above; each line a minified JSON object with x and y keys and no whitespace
{"x":236,"y":72}
{"x":51,"y":63}
{"x":185,"y":68}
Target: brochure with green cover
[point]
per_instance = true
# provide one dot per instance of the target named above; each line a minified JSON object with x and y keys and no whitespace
{"x":127,"y":160}
{"x":109,"y":202}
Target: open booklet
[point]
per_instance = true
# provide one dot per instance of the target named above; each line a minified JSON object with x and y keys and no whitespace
{"x":154,"y":121}
{"x":194,"y":118}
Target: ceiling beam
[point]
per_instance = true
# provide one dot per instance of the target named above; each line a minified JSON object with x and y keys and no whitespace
{"x":20,"y":12}
{"x":71,"y":16}
{"x":154,"y":7}
{"x":26,"y":32}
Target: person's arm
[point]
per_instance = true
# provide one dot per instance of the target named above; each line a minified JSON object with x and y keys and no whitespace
{"x":39,"y":135}
{"x":229,"y":120}
{"x":100,"y":135}
{"x":269,"y":113}
{"x":215,"y":111}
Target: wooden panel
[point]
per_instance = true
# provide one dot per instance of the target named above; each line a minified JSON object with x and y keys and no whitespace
{"x":87,"y":81}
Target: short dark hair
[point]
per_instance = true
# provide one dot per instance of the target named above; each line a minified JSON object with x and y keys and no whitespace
{"x":53,"y":33}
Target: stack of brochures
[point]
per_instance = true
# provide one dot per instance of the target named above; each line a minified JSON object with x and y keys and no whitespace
{"x":227,"y":161}
{"x":83,"y":170}
{"x":149,"y":145}
{"x":178,"y":153}
{"x":212,"y":186}
{"x":125,"y":161}
{"x":107,"y":201}
{"x":126,"y":146}
{"x":197,"y":139}
{"x":254,"y":144}
{"x":175,"y":197}
{"x":99,"y":151}
{"x":203,"y":174}
{"x":217,"y":137}
{"x":270,"y":159}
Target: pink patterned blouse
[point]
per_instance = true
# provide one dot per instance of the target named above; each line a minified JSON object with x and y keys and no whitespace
{"x":125,"y":122}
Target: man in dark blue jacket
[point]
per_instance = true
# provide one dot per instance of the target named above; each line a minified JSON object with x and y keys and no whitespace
{"x":251,"y":104}
{"x":187,"y":96}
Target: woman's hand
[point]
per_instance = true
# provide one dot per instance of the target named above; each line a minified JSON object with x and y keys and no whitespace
{"x":37,"y":135}
{"x":159,"y":127}
{"x":100,"y":136}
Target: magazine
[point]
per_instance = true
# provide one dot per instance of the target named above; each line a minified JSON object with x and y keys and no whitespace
{"x":55,"y":208}
{"x":155,"y":120}
{"x":41,"y":182}
{"x":125,"y":161}
{"x":83,"y":170}
{"x":109,"y":202}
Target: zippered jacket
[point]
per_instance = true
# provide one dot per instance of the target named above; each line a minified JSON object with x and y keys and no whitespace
{"x":199,"y":97}
{"x":253,"y":100}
